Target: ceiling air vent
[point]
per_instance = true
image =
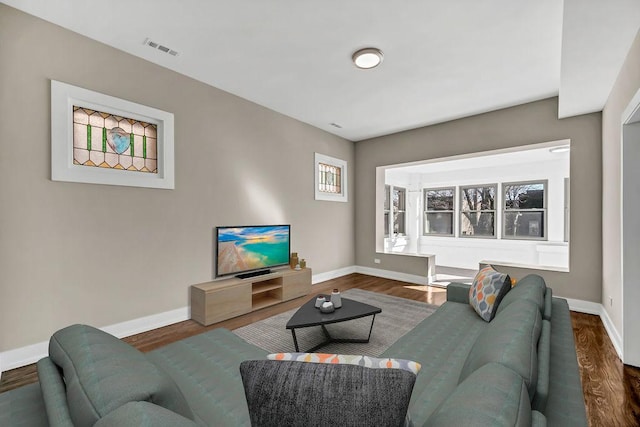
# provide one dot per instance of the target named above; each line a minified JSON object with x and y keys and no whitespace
{"x":160,"y":47}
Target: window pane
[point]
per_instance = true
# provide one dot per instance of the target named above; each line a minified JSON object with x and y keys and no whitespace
{"x":398,"y":223}
{"x":387,"y":197}
{"x":439,"y":223}
{"x":439,"y":200}
{"x":386,"y":223}
{"x":398,"y":198}
{"x":329,"y":178}
{"x":524,"y":224}
{"x":477,"y":224}
{"x":524,"y":196}
{"x":478,"y":198}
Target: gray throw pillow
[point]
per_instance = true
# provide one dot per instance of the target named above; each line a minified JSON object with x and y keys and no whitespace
{"x":291,"y":393}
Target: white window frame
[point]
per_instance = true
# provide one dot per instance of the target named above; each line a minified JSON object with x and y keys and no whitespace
{"x":426,"y":211}
{"x":338,"y":163}
{"x":394,"y":211}
{"x":387,"y":210}
{"x":64,"y":96}
{"x":494,"y":210}
{"x":544,"y":209}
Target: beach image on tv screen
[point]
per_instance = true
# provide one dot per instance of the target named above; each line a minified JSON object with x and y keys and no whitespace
{"x":250,"y":248}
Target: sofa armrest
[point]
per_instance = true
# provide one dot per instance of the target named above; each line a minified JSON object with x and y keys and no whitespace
{"x":544,"y":359}
{"x":548,"y":303}
{"x":54,"y":394}
{"x":458,"y":292}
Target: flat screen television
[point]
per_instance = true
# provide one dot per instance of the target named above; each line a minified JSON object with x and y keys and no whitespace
{"x":247,"y":251}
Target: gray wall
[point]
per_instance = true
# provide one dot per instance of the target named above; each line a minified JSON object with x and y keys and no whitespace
{"x":526,"y":124}
{"x":626,"y":86}
{"x":102,"y":254}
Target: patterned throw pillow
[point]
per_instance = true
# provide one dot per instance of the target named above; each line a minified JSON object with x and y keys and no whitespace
{"x":348,"y":359}
{"x":487,"y":290}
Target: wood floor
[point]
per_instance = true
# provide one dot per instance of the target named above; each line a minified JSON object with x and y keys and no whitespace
{"x":611,"y":389}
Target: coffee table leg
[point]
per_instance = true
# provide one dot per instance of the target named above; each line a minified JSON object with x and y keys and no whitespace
{"x":371,"y":328}
{"x":295,"y":340}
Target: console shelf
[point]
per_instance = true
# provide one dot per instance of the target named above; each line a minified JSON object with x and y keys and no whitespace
{"x":219,"y":300}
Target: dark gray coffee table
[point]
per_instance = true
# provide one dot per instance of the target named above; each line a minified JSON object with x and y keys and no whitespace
{"x":308,"y":315}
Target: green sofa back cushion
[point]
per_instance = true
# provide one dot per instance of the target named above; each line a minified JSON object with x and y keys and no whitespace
{"x":102,"y":373}
{"x":510,"y":339}
{"x":491,"y":396}
{"x":531,"y":288}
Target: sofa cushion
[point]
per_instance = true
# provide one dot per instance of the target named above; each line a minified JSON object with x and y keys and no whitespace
{"x":319,"y":394}
{"x":102,"y":373}
{"x":493,"y":395}
{"x":511,"y":339}
{"x":487,"y":290}
{"x":350,"y":359}
{"x":206,"y":368}
{"x":143,"y":414}
{"x":531,"y":288}
{"x":24,"y":406}
{"x":440,"y":343}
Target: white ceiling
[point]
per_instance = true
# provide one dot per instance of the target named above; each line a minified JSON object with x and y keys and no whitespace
{"x":443,"y":60}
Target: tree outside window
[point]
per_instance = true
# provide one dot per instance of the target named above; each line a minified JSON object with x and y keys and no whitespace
{"x":524,"y":210}
{"x":478,"y":211}
{"x":438,"y":211}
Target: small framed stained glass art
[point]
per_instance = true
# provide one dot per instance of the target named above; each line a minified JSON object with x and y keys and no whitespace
{"x":331,"y":178}
{"x":100,"y":139}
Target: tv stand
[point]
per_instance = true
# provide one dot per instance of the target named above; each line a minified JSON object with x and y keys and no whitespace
{"x":213,"y":302}
{"x":253,"y":274}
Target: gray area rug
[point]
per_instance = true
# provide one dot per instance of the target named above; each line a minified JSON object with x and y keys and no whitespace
{"x":399,"y":316}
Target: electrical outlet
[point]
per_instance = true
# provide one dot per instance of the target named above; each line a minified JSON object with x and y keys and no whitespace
{"x":376,"y":260}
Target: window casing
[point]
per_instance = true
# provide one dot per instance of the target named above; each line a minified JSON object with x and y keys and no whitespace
{"x":524,"y":214}
{"x":399,"y":200}
{"x":387,"y":209}
{"x":439,"y":209}
{"x":478,"y":211}
{"x":395,"y":200}
{"x":330,"y":178}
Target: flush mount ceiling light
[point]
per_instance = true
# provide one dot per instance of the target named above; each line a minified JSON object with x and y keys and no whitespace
{"x":369,"y":57}
{"x":561,"y":149}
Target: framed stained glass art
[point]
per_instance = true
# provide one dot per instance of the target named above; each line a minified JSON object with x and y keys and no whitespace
{"x":330,"y":178}
{"x":100,"y":139}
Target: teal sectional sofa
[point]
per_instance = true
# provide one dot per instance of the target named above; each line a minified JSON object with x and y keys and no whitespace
{"x":520,"y":369}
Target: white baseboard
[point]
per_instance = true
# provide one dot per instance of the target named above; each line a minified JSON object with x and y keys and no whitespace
{"x":147,"y":323}
{"x":581,"y":306}
{"x":393,"y":275}
{"x":589,"y":307}
{"x":333,"y":274}
{"x":29,"y":354}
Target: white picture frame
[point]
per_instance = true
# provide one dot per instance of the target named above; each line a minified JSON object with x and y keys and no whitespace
{"x":342,"y":196}
{"x":63,"y":99}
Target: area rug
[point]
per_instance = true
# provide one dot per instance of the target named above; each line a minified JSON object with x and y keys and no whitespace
{"x":399,"y":316}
